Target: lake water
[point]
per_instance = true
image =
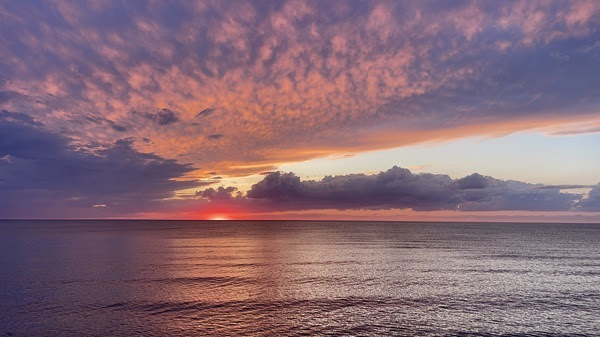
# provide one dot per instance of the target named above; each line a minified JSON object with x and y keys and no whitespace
{"x":169,"y":278}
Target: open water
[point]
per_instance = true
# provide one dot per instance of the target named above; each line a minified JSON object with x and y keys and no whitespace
{"x":186,"y":278}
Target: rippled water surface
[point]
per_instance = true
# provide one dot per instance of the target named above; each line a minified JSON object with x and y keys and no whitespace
{"x":163,"y":278}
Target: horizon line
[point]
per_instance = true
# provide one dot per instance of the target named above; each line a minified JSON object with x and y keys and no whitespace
{"x":294,"y":220}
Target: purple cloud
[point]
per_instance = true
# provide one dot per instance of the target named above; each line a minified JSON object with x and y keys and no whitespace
{"x":592,"y":202}
{"x":287,"y":73}
{"x":44,"y":174}
{"x":163,"y":116}
{"x":221,"y":193}
{"x":399,"y":188}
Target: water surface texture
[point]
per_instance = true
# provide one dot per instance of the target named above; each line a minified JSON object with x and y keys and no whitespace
{"x":169,"y":278}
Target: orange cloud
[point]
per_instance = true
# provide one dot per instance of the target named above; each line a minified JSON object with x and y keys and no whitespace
{"x":296,"y":81}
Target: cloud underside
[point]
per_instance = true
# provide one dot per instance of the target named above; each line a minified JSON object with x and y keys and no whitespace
{"x":43,"y":174}
{"x":399,"y":188}
{"x":293,"y":80}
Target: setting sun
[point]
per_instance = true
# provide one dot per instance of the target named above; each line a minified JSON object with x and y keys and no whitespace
{"x":219,"y":217}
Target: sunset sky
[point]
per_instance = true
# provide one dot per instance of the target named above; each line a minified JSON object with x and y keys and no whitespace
{"x":359,"y":110}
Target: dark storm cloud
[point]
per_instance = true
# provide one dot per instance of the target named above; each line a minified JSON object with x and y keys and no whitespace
{"x":43,"y":175}
{"x":163,"y":116}
{"x":401,"y":189}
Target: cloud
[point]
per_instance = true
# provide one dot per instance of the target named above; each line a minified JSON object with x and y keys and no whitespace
{"x":117,"y":127}
{"x":9,"y":95}
{"x":205,"y":112}
{"x":564,"y":187}
{"x":221,"y":193}
{"x":163,"y":116}
{"x":99,"y":120}
{"x":17,"y":117}
{"x":474,"y":181}
{"x":593,"y":129}
{"x":215,"y":136}
{"x":592,"y":201}
{"x":399,"y":188}
{"x":46,"y":175}
{"x":287,"y":78}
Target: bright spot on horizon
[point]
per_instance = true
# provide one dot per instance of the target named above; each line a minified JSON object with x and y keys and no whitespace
{"x":219,"y":217}
{"x":243,"y":109}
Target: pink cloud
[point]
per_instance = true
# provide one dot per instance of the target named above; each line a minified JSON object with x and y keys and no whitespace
{"x":291,"y":82}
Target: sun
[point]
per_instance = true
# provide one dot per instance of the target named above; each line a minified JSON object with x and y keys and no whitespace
{"x":219,"y":217}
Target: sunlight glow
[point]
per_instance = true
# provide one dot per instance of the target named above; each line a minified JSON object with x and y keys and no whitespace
{"x":219,"y":217}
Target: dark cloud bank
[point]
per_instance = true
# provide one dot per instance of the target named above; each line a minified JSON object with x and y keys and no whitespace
{"x":43,"y":175}
{"x":398,"y":188}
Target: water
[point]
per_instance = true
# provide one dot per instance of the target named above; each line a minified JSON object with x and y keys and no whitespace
{"x":163,"y":278}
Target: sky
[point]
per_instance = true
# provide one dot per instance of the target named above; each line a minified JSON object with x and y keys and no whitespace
{"x":340,"y":110}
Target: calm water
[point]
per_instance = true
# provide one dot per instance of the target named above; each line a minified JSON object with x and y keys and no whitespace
{"x":160,"y":278}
